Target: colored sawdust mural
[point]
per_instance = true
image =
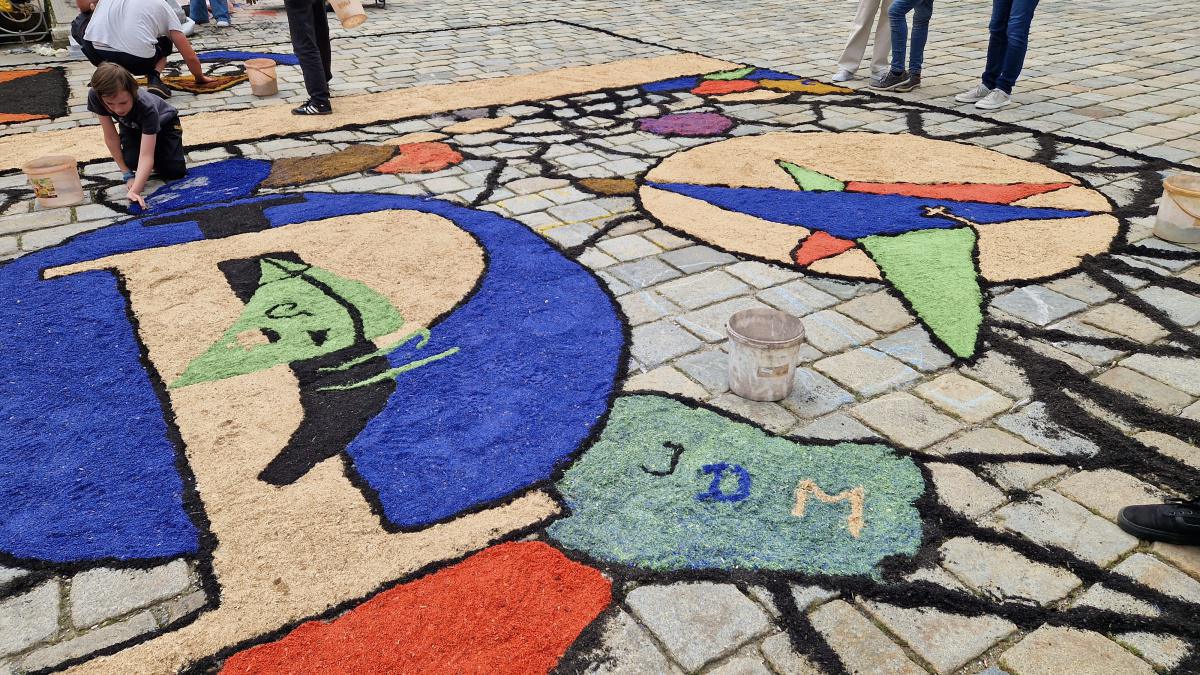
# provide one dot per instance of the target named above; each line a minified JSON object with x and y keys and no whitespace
{"x":936,"y":220}
{"x":36,"y":94}
{"x":390,"y":433}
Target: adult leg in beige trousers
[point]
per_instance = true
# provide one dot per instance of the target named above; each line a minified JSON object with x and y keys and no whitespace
{"x":856,"y":45}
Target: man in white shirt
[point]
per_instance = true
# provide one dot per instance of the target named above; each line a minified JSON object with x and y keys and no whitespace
{"x":137,"y":35}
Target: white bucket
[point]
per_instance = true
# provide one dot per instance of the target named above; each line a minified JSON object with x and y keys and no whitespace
{"x":349,"y":12}
{"x":763,"y":346}
{"x":261,"y":73}
{"x":55,"y":180}
{"x":1179,"y":210}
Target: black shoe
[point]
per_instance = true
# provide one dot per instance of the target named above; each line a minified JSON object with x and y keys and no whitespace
{"x":154,"y":85}
{"x":890,"y":81}
{"x":311,"y":108}
{"x":1176,"y":522}
{"x":913,"y":81}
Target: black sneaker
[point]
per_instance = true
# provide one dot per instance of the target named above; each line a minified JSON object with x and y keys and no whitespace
{"x":889,"y":81}
{"x":1176,"y":522}
{"x":912,"y":82}
{"x":154,"y":85}
{"x":311,"y":108}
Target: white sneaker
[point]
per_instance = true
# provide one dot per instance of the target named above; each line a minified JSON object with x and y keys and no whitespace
{"x":222,"y":24}
{"x":979,"y":93}
{"x":994,"y":101}
{"x":189,"y":27}
{"x":842,"y":75}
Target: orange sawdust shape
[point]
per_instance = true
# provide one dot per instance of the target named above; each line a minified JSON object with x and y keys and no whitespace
{"x":6,"y":118}
{"x":805,"y":87}
{"x":975,"y":192}
{"x":513,"y":608}
{"x":421,"y":158}
{"x":820,"y":245}
{"x":10,"y":75}
{"x":716,"y":87}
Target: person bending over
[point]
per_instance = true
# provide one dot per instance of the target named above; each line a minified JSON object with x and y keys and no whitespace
{"x":137,"y":35}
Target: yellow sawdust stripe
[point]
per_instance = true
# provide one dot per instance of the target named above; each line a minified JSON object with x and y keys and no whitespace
{"x":86,"y":143}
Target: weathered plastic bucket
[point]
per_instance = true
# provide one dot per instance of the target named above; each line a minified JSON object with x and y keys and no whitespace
{"x":262,"y":77}
{"x":1179,"y":210}
{"x":349,"y":12}
{"x":763,"y":346}
{"x":55,"y":180}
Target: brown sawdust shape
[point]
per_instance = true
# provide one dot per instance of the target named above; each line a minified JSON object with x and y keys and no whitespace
{"x":301,"y":170}
{"x":609,"y":186}
{"x":283,"y":552}
{"x":188,"y":83}
{"x":230,"y":126}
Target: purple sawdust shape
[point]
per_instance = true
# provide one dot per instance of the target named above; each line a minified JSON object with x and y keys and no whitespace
{"x":687,"y":124}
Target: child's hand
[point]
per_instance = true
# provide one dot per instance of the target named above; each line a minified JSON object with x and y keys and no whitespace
{"x":135,"y":198}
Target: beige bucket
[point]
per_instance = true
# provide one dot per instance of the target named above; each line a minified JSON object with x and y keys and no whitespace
{"x":55,"y":180}
{"x":1179,"y":211}
{"x":763,"y":346}
{"x":349,"y":12}
{"x":262,"y":77}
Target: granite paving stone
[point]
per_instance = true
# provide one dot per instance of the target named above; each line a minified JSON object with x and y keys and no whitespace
{"x":771,"y":416}
{"x":29,"y":617}
{"x":746,"y":661}
{"x":832,"y":332}
{"x":784,"y":659}
{"x":760,"y":275}
{"x":1000,"y":372}
{"x":643,"y":273}
{"x":866,"y":371}
{"x":696,"y":258}
{"x":666,"y":240}
{"x":710,"y":368}
{"x":645,"y":306}
{"x":1033,"y":423}
{"x":835,"y":427}
{"x":111,"y":634}
{"x":797,"y":298}
{"x":1106,"y":491}
{"x":661,"y":341}
{"x":1183,"y":374}
{"x":1003,"y":574}
{"x":104,"y":592}
{"x":1124,"y":320}
{"x":913,"y":346}
{"x":879,"y":311}
{"x":862,"y":647}
{"x":1171,"y":447}
{"x":1050,"y":519}
{"x":945,"y":641}
{"x":963,"y":397}
{"x":1186,"y":558}
{"x":906,"y":419}
{"x":1145,"y":389}
{"x":702,"y":289}
{"x":1056,"y":649}
{"x":666,"y":379}
{"x":963,"y":491}
{"x":1180,"y":307}
{"x":677,"y":613}
{"x":1162,"y":651}
{"x":709,"y":324}
{"x":1037,"y":304}
{"x":814,"y":395}
{"x":626,"y":647}
{"x":628,"y":247}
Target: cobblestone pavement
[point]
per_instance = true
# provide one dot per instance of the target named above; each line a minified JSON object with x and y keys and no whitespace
{"x":1045,"y":581}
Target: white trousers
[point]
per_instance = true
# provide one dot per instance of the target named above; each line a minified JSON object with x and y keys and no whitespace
{"x":856,"y":46}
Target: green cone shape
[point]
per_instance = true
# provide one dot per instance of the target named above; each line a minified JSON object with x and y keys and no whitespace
{"x":305,"y":311}
{"x":735,"y":74}
{"x":809,"y":180}
{"x":935,"y":271}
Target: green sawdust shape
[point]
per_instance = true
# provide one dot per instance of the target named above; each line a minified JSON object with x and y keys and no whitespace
{"x":306,"y":312}
{"x":809,"y":180}
{"x":735,"y":74}
{"x":935,"y":271}
{"x":642,"y":496}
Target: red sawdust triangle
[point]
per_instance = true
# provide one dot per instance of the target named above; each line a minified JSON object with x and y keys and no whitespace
{"x":820,"y":245}
{"x":963,"y":192}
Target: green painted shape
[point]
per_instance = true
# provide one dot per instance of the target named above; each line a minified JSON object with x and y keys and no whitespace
{"x":809,"y":180}
{"x":307,"y":308}
{"x":621,"y":514}
{"x":735,"y":74}
{"x":935,"y":271}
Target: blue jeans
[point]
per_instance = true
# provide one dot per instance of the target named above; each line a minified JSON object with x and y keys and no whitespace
{"x":1010,"y":39}
{"x":922,"y":10}
{"x":199,"y":10}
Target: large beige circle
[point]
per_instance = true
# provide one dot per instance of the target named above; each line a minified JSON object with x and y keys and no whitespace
{"x":1017,"y":250}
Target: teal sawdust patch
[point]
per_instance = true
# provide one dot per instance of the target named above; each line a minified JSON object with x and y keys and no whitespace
{"x":669,"y":487}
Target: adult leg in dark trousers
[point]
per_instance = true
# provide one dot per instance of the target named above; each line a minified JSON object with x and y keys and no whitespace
{"x":310,"y":42}
{"x":1009,"y":41}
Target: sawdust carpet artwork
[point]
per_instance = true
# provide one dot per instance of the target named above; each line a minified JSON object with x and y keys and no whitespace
{"x":34,"y":94}
{"x":281,"y":372}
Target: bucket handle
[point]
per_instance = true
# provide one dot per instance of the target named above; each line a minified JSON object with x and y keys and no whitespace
{"x":1182,"y":207}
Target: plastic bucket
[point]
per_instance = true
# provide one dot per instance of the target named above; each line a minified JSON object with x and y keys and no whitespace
{"x":1179,"y":210}
{"x":763,"y":346}
{"x":262,"y":77}
{"x":55,"y":180}
{"x":349,"y":12}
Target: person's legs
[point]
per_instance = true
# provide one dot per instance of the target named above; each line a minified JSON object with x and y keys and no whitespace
{"x":997,"y":42}
{"x":882,"y":49}
{"x":304,"y":45}
{"x":922,"y":11}
{"x":860,"y":30}
{"x":220,"y":9}
{"x":321,"y":29}
{"x":169,"y":162}
{"x":198,"y":11}
{"x":1020,"y":18}
{"x":131,"y":146}
{"x":896,"y":15}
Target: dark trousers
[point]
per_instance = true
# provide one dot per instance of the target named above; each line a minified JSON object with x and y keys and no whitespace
{"x":138,"y":65}
{"x":168,"y":150}
{"x":1009,"y":30}
{"x":310,"y":43}
{"x":922,"y":11}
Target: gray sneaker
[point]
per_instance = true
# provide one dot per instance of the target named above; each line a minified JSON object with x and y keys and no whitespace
{"x":912,"y":82}
{"x":979,"y":93}
{"x":889,"y":81}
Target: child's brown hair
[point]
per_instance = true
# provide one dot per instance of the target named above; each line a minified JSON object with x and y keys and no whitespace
{"x":111,"y":79}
